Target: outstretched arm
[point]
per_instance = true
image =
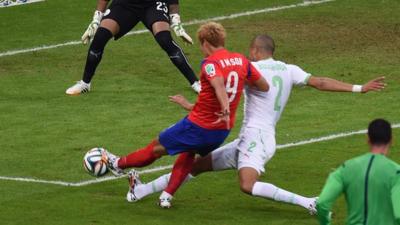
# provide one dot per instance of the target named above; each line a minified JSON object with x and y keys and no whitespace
{"x":182,"y":101}
{"x":329,"y":84}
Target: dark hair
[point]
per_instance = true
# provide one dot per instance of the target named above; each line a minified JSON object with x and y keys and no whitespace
{"x":380,"y":132}
{"x":264,"y":42}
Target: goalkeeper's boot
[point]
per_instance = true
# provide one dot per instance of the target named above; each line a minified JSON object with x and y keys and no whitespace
{"x":79,"y":88}
{"x":312,"y":208}
{"x":196,"y":87}
{"x":134,"y":181}
{"x":111,"y":161}
{"x":165,"y":200}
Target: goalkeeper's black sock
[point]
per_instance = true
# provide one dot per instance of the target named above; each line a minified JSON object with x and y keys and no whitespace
{"x":95,"y":53}
{"x":176,"y":55}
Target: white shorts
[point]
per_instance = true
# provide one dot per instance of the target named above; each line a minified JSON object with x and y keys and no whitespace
{"x":254,"y":148}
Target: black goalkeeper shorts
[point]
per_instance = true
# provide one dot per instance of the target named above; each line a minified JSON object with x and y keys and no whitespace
{"x":128,"y":14}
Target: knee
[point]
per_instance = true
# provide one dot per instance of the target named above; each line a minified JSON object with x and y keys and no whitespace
{"x":100,"y":39}
{"x":160,"y":26}
{"x":111,"y":25}
{"x":158,"y":149}
{"x":247,"y":186}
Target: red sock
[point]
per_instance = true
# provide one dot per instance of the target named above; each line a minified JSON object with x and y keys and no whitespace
{"x":139,"y":158}
{"x":182,"y":167}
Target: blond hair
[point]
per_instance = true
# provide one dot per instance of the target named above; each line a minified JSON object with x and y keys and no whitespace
{"x":213,"y":33}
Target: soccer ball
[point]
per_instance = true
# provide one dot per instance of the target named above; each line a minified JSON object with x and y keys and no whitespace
{"x":93,"y":162}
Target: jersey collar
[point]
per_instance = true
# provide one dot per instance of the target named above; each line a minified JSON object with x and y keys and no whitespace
{"x":267,"y":60}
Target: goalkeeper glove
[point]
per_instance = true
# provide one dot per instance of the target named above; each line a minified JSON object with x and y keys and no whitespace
{"x":92,"y":28}
{"x":176,"y":25}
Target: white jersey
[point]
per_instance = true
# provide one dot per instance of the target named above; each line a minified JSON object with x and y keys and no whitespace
{"x":263,"y":109}
{"x":256,"y":143}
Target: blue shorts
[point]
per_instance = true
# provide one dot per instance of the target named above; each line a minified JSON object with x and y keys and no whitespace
{"x":186,"y":136}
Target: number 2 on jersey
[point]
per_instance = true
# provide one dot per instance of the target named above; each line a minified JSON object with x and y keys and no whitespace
{"x":278,"y":82}
{"x":232,"y":88}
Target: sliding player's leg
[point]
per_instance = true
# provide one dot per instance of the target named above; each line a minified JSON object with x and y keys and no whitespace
{"x":167,"y":183}
{"x":249,"y":184}
{"x":116,"y":23}
{"x":253,"y":187}
{"x":177,"y":139}
{"x":256,"y":148}
{"x":225,"y":157}
{"x":139,"y":190}
{"x":157,"y":21}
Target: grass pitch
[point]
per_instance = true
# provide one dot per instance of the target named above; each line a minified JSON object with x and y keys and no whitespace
{"x":44,"y":133}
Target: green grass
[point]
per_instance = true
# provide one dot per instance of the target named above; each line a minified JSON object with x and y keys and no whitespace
{"x":44,"y":133}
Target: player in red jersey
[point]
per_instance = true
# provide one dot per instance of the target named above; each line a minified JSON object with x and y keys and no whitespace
{"x":223,"y":76}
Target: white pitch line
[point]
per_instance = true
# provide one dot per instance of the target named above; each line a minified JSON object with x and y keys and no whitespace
{"x":326,"y":138}
{"x":82,"y":183}
{"x":99,"y":180}
{"x":193,"y":22}
{"x":161,"y":168}
{"x":34,"y":180}
{"x":20,"y":3}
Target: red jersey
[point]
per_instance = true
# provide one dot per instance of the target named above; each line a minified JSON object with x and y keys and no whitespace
{"x":236,"y":69}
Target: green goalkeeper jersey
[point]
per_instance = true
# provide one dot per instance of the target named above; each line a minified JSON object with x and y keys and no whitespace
{"x":371,"y":185}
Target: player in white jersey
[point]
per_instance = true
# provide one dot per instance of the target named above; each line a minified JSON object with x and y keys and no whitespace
{"x":256,"y":143}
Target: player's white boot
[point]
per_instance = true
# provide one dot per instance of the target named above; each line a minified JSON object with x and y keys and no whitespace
{"x":196,"y":86}
{"x":111,"y":161}
{"x":312,"y":209}
{"x":134,"y":181}
{"x":165,"y":200}
{"x":79,"y":88}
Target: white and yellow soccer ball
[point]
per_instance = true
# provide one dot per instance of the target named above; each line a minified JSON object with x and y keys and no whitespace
{"x":94,"y":163}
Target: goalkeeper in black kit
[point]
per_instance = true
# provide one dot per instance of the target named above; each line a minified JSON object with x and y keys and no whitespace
{"x":122,"y":16}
